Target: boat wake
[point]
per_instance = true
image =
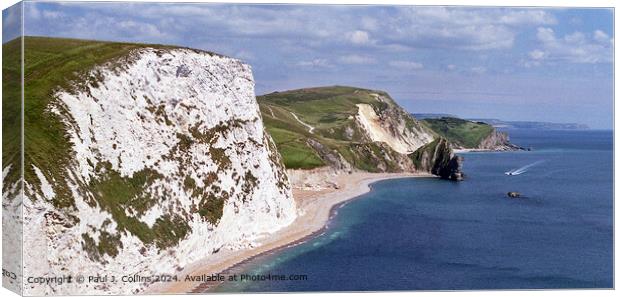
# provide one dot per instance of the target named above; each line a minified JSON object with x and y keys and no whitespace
{"x":523,"y":169}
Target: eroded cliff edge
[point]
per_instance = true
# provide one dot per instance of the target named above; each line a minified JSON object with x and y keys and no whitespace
{"x":438,"y":158}
{"x":345,"y":129}
{"x":167,"y":163}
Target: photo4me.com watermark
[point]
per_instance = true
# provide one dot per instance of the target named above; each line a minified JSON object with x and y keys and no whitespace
{"x":161,"y":278}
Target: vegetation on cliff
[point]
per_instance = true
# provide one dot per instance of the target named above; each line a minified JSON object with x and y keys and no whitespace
{"x":79,"y":98}
{"x":11,"y":116}
{"x":461,"y":133}
{"x":327,"y":126}
{"x":53,"y":64}
{"x":315,"y":127}
{"x":467,"y":134}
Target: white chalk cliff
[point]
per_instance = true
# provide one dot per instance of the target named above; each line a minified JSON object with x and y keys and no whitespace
{"x":392,"y":129}
{"x":171,"y":165}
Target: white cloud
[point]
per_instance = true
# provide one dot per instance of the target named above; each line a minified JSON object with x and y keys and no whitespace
{"x":535,"y":58}
{"x":52,"y":14}
{"x":451,"y":67}
{"x":315,"y":63}
{"x":406,"y":65}
{"x":575,"y":38}
{"x":356,"y":59}
{"x":408,"y":26}
{"x":527,"y":17}
{"x":315,"y":30}
{"x":537,"y":54}
{"x":359,"y":37}
{"x":226,"y":19}
{"x":461,"y":28}
{"x":528,"y":63}
{"x":140,"y":28}
{"x":545,"y":35}
{"x":601,"y":36}
{"x":576,"y":47}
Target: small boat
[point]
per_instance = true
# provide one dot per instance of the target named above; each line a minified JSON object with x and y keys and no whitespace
{"x":523,"y":169}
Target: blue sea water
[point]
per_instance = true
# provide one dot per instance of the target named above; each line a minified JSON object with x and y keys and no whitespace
{"x":430,"y":234}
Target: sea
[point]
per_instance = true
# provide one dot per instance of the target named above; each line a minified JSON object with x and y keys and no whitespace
{"x":431,"y":234}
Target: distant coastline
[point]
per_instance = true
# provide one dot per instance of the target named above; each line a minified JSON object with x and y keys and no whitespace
{"x":502,"y":124}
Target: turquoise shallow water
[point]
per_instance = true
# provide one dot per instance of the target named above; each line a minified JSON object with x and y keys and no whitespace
{"x":429,"y":234}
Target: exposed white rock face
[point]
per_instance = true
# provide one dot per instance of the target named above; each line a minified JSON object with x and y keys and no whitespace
{"x":391,"y":126}
{"x":185,"y":127}
{"x":12,"y":230}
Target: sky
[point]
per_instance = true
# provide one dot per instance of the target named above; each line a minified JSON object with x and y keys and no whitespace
{"x":539,"y":64}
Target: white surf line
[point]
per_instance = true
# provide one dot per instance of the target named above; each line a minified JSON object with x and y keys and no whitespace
{"x":310,"y":128}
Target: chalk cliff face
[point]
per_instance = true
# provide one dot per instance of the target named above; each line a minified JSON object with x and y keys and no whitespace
{"x":392,"y":125}
{"x":170,"y":164}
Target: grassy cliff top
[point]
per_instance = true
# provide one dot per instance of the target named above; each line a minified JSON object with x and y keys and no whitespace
{"x":50,"y":64}
{"x":321,"y":113}
{"x":326,"y":115}
{"x":464,"y":133}
{"x":324,"y":107}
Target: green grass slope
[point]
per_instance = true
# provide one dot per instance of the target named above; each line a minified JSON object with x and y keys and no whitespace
{"x":331,"y":112}
{"x":327,"y":109}
{"x":290,"y":138}
{"x":11,"y":114}
{"x":460,"y":132}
